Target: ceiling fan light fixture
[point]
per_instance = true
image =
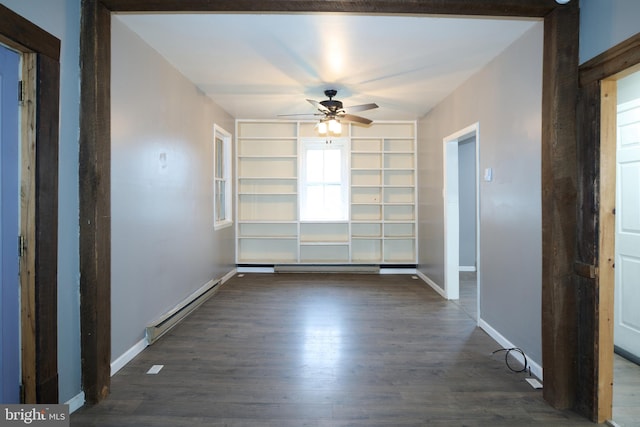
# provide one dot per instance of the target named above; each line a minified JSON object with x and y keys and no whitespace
{"x":335,"y":127}
{"x":322,"y":128}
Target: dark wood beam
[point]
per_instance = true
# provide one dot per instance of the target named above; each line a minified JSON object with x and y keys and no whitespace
{"x":525,"y":8}
{"x":588,"y":133}
{"x":558,"y":167}
{"x":95,"y":211}
{"x":559,"y":297}
{"x":620,"y":57}
{"x":19,"y":33}
{"x":46,"y":283}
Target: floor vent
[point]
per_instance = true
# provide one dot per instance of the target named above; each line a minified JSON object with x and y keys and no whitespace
{"x":163,"y":324}
{"x":321,"y":268}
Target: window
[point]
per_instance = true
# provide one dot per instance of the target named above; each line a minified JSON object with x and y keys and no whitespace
{"x":221,"y":177}
{"x":324,"y":180}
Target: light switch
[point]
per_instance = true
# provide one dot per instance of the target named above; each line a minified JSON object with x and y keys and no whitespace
{"x":488,"y":174}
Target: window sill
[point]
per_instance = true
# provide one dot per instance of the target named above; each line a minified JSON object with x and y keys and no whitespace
{"x":222,"y":224}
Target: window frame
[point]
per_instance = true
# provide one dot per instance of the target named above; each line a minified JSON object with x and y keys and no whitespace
{"x":309,"y":143}
{"x":224,"y":136}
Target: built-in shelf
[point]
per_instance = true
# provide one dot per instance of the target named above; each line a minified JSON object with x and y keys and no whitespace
{"x":383,"y":209}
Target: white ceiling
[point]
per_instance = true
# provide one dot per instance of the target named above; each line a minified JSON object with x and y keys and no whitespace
{"x":260,"y":66}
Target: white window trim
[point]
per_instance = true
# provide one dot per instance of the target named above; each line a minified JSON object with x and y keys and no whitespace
{"x":343,"y":143}
{"x":219,"y":132}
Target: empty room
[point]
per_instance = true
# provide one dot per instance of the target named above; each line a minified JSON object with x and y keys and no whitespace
{"x":324,"y":213}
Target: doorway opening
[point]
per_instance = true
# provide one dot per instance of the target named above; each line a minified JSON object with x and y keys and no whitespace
{"x":626,"y":329}
{"x":38,"y":217}
{"x":9,"y":224}
{"x":461,"y":214}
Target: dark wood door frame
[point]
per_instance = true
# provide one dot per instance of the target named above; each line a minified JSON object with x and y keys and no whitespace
{"x":596,"y":123}
{"x":41,"y":60}
{"x":559,"y":167}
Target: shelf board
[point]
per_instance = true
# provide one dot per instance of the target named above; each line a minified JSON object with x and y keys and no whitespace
{"x":327,"y":243}
{"x":267,"y":221}
{"x":244,"y":193}
{"x":269,"y":138}
{"x":268,"y":177}
{"x":266,"y":261}
{"x":323,"y":261}
{"x":268,"y":156}
{"x":263,"y":237}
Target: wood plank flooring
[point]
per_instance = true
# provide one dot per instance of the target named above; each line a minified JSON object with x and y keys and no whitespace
{"x":333,"y":350}
{"x":626,"y":392}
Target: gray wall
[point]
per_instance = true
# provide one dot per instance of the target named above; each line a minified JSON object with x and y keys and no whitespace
{"x":605,"y":23}
{"x":163,"y":243}
{"x":505,"y":98}
{"x":62,"y":19}
{"x":467,"y":201}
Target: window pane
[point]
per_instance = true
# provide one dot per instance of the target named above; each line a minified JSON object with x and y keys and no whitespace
{"x":315,"y":201}
{"x":324,"y":181}
{"x":332,"y":166}
{"x":219,"y":173}
{"x":221,"y":149}
{"x":314,"y":165}
{"x":221,"y":200}
{"x":333,"y":201}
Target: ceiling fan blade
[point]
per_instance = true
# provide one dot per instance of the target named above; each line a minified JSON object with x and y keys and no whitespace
{"x":319,"y":106}
{"x":363,"y":107}
{"x":301,"y":114}
{"x":355,"y":119}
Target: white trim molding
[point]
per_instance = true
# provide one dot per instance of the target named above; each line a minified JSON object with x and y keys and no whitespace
{"x":76,"y":402}
{"x":535,"y":367}
{"x":431,"y":283}
{"x":128,"y":356}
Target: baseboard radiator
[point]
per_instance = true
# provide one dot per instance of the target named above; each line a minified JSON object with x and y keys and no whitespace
{"x":323,"y":268}
{"x":163,"y":324}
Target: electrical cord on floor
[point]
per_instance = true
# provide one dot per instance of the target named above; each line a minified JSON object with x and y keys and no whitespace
{"x":526,"y":367}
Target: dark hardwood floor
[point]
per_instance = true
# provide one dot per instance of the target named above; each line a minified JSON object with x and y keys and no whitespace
{"x":293,"y":350}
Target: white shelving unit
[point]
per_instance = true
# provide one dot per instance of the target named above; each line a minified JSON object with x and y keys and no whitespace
{"x":382,"y":225}
{"x":383,"y":193}
{"x":267,"y":198}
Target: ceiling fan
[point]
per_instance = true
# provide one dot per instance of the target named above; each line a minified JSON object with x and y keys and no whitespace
{"x":332,"y":109}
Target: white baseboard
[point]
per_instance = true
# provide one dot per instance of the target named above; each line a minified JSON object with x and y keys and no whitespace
{"x":381,"y":271}
{"x":255,"y":269}
{"x":536,"y":369}
{"x":75,"y":402}
{"x":467,"y":268}
{"x":128,"y":356}
{"x":431,"y":283}
{"x":397,"y":271}
{"x":228,"y":276}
